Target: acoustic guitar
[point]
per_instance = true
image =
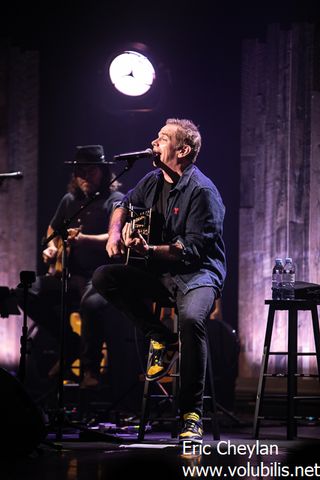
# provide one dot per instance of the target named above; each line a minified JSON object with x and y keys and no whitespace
{"x":140,"y":221}
{"x":55,"y":266}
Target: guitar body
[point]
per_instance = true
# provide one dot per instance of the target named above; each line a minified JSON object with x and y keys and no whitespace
{"x":55,"y":268}
{"x":140,"y":221}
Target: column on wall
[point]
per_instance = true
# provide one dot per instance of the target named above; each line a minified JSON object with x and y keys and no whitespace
{"x":18,"y":198}
{"x":279,"y":204}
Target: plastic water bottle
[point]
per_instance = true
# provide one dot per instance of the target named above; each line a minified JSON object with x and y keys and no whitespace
{"x":277,"y":274}
{"x":289,"y":278}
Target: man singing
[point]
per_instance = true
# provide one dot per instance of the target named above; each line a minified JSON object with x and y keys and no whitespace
{"x":185,"y":262}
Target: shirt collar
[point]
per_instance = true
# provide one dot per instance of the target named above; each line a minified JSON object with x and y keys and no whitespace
{"x":185,"y":177}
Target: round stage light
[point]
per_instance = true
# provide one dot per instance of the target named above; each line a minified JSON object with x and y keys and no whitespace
{"x":132,"y":73}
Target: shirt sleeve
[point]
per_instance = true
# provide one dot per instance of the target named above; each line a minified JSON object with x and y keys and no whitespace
{"x":114,"y":201}
{"x":203,"y":228}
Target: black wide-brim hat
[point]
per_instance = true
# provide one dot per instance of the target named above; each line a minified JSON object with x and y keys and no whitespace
{"x":89,"y":155}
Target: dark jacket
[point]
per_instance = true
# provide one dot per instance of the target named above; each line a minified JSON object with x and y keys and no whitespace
{"x":194,"y":217}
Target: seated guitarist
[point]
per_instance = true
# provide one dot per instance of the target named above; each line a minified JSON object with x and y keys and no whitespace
{"x":86,"y":245}
{"x":185,"y":262}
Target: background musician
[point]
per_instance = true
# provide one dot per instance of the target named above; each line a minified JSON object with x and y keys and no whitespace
{"x":86,"y":251}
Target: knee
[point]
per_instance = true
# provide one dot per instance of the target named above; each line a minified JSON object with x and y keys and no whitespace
{"x":86,"y":306}
{"x":191,"y":325}
{"x":99,"y":278}
{"x":104,"y":279}
{"x":93,"y":304}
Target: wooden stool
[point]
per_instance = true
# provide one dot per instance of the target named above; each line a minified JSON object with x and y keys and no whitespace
{"x":173,"y":379}
{"x":292,"y":307}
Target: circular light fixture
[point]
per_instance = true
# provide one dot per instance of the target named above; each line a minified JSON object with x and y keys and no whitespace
{"x":132,"y":73}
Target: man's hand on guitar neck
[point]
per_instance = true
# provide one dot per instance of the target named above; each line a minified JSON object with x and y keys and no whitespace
{"x":73,"y":235}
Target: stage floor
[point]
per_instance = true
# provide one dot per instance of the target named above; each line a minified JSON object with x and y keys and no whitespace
{"x":96,"y":456}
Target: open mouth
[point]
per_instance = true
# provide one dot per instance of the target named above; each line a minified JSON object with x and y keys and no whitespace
{"x":156,"y":158}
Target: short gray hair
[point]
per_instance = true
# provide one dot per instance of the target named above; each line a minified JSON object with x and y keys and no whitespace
{"x":187,"y":133}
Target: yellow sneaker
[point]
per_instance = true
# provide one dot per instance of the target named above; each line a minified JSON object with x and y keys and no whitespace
{"x":192,"y":429}
{"x":161,"y":360}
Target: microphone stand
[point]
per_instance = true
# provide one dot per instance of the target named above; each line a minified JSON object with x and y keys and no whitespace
{"x":16,"y":175}
{"x":26,"y":278}
{"x":63,"y":233}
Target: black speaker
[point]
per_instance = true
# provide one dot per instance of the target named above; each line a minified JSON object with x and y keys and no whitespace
{"x":306,"y":290}
{"x":225,"y":349}
{"x":22,"y":424}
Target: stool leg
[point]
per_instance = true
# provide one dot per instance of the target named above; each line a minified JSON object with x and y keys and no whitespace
{"x":145,"y":403}
{"x":292,"y":371}
{"x":144,"y":411}
{"x":316,"y":334}
{"x":175,"y":392}
{"x":263,"y":371}
{"x":175,"y":397}
{"x":214,"y":419}
{"x":145,"y":399}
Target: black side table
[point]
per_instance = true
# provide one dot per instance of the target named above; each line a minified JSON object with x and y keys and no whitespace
{"x":292,"y":307}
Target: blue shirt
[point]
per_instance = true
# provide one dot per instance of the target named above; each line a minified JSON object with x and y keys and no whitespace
{"x":194,"y":217}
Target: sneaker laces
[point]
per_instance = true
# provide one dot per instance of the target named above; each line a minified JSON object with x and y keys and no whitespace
{"x":191,"y":422}
{"x":189,"y":425}
{"x":191,"y":416}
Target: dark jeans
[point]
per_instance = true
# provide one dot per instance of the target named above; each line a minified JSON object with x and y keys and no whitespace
{"x":44,"y":308}
{"x":131,"y":289}
{"x":100,"y":321}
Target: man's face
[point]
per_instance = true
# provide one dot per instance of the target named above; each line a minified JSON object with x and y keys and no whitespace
{"x":166,"y":144}
{"x":88,"y":178}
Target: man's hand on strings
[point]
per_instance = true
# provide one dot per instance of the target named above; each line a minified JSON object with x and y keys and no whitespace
{"x":115,"y":246}
{"x":49,"y":254}
{"x":133,"y":239}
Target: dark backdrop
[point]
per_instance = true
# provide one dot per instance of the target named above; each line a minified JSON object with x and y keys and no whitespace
{"x":197,"y":47}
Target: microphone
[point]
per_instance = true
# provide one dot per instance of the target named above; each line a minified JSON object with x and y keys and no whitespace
{"x":148,"y":153}
{"x":11,"y":175}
